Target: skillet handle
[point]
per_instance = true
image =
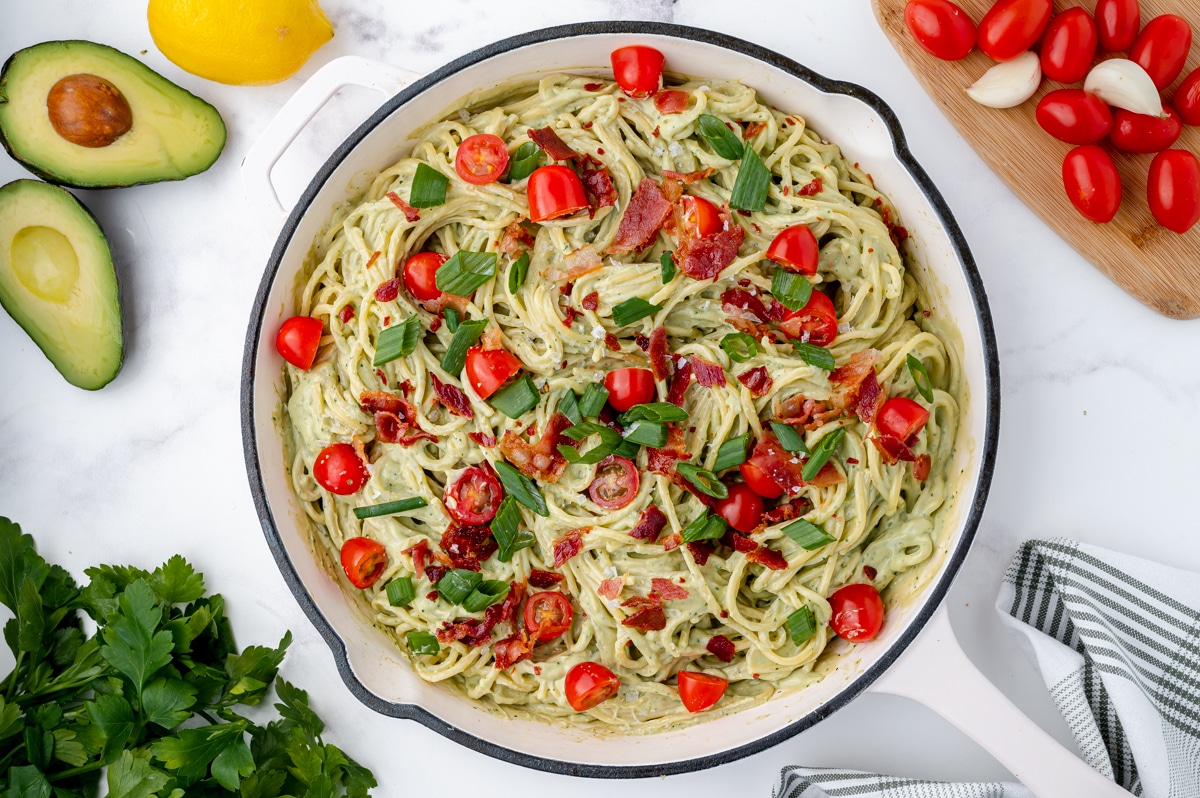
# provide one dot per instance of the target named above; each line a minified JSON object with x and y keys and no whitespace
{"x":295,"y":115}
{"x":935,"y":671}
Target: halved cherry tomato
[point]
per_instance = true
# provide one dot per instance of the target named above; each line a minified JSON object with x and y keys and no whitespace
{"x":1069,"y":46}
{"x":857,"y":612}
{"x":629,"y":387}
{"x":901,"y":418}
{"x":363,"y":560}
{"x":1144,"y":133}
{"x":420,"y":275}
{"x":481,"y":159}
{"x":298,"y":339}
{"x":547,"y":615}
{"x":488,"y":369}
{"x":795,"y":249}
{"x":1162,"y":48}
{"x":588,"y":684}
{"x":474,"y":497}
{"x":1174,"y":189}
{"x":554,"y":191}
{"x":338,"y":469}
{"x":1074,"y":116}
{"x":701,"y":216}
{"x":1117,"y":23}
{"x":1011,"y":27}
{"x":638,"y":69}
{"x":760,"y":481}
{"x":742,"y":508}
{"x":1092,"y":183}
{"x":699,"y":691}
{"x":815,"y":323}
{"x":616,"y":482}
{"x":1187,"y":98}
{"x":942,"y":28}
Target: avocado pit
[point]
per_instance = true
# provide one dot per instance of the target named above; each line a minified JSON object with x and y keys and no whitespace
{"x":88,"y":110}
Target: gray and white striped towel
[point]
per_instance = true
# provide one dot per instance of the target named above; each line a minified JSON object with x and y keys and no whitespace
{"x":1117,"y":640}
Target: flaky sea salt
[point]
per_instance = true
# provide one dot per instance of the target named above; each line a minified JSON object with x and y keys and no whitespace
{"x":610,"y":572}
{"x":675,"y":148}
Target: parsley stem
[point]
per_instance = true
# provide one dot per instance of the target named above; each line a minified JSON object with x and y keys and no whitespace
{"x":58,"y":688}
{"x":66,"y":774}
{"x":16,"y":670}
{"x":207,"y":717}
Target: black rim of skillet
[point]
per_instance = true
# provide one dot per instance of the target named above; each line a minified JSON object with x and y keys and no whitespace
{"x":937,"y":592}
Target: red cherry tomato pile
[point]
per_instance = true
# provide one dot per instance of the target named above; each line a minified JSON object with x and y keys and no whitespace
{"x":1068,"y":44}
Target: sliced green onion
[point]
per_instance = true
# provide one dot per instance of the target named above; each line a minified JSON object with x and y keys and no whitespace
{"x":510,"y":538}
{"x":609,"y":440}
{"x":920,"y":377}
{"x":516,"y":273}
{"x":517,"y":399}
{"x":521,"y":488}
{"x":465,"y":336}
{"x":668,"y":267}
{"x":569,"y":407}
{"x":815,"y":355}
{"x":732,"y":452}
{"x":523,"y":161}
{"x":633,"y":309}
{"x":488,"y":593}
{"x":456,"y":585}
{"x":788,"y":438}
{"x":422,"y":643}
{"x":593,"y":399}
{"x":399,"y":340}
{"x":720,"y":137}
{"x":466,"y":271}
{"x":807,"y":535}
{"x":821,"y":453}
{"x":390,"y":508}
{"x":658,"y":412}
{"x":739,"y":346}
{"x":801,"y":625}
{"x":428,"y":187}
{"x":400,"y":591}
{"x":706,"y":527}
{"x":647,"y":433}
{"x":451,"y":317}
{"x":705,"y":481}
{"x":792,"y":289}
{"x":627,"y":449}
{"x":750,"y":186}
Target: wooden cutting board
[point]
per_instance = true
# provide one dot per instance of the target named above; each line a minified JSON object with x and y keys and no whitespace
{"x":1155,"y":265}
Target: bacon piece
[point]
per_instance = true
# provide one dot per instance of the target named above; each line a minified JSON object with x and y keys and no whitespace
{"x":498,"y":613}
{"x":721,"y":647}
{"x":544,"y":580}
{"x":452,"y":397}
{"x":687,"y":178}
{"x":512,"y":650}
{"x":435,"y":573}
{"x":739,"y":542}
{"x":648,"y":209}
{"x":471,"y":632}
{"x":591,"y":301}
{"x":555,"y":147}
{"x":410,"y":213}
{"x":491,"y":339}
{"x":642,"y":342}
{"x":445,"y":300}
{"x":680,"y":382}
{"x":850,"y":377}
{"x":710,"y":375}
{"x":651,"y":619}
{"x":569,"y":316}
{"x":598,"y":188}
{"x":704,"y":258}
{"x":752,"y":129}
{"x":701,"y":550}
{"x":346,"y":314}
{"x":582,"y":261}
{"x":657,"y":350}
{"x":827,"y":476}
{"x":420,"y":556}
{"x":375,"y":401}
{"x":388,"y":290}
{"x":662,"y":461}
{"x":672,"y":541}
{"x":641,"y":602}
{"x":893,"y":449}
{"x":787,"y":511}
{"x":671,"y":101}
{"x":650,"y":524}
{"x":567,"y":547}
{"x":668,"y":589}
{"x":593,"y":86}
{"x":391,"y":428}
{"x":779,"y":464}
{"x":612,"y":342}
{"x":516,"y":238}
{"x":768,"y":557}
{"x":542,"y":460}
{"x":468,"y":546}
{"x":870,"y":398}
{"x":922,"y":467}
{"x":897,"y":232}
{"x":741,"y":299}
{"x":611,"y":588}
{"x":757,"y":381}
{"x":810,"y":189}
{"x":798,"y":411}
{"x":484,"y":439}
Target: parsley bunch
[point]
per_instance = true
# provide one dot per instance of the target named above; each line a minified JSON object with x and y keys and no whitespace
{"x":152,"y":695}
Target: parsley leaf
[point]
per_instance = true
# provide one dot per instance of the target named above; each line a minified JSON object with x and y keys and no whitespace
{"x":176,"y":582}
{"x":131,"y":644}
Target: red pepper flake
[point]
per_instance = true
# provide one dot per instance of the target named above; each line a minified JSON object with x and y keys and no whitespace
{"x":569,"y":314}
{"x":484,"y":439}
{"x":869,"y":572}
{"x":642,"y":341}
{"x":753,"y":129}
{"x":387,"y":320}
{"x":436,"y":324}
{"x":410,"y":213}
{"x":724,"y":613}
{"x":743,"y":213}
{"x":852,"y":460}
{"x":346,"y":314}
{"x":655,"y":132}
{"x":612,"y":342}
{"x":786,"y":190}
{"x":432,"y":595}
{"x":922,"y":467}
{"x":374,"y":257}
{"x":721,"y":647}
{"x":567,"y":288}
{"x":405,"y":387}
{"x":599,"y":150}
{"x":381,"y":376}
{"x":593,"y":86}
{"x":586,"y":126}
{"x":810,"y":189}
{"x":591,"y":301}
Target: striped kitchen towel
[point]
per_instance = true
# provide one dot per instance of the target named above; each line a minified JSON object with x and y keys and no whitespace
{"x":1117,"y":640}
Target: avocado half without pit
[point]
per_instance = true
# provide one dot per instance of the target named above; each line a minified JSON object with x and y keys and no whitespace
{"x":57,"y":281}
{"x":83,"y":114}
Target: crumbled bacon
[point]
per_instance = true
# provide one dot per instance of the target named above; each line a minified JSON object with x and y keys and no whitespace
{"x":612,"y":343}
{"x":516,"y":238}
{"x":611,"y":588}
{"x":701,"y":550}
{"x":739,"y":542}
{"x":710,"y":375}
{"x":491,"y":339}
{"x":544,"y":580}
{"x":668,"y":589}
{"x":346,"y":314}
{"x":687,"y":178}
{"x":393,"y":428}
{"x":642,"y":602}
{"x":780,"y":465}
{"x":651,"y":619}
{"x":582,"y":261}
{"x":375,"y":401}
{"x":484,"y":439}
{"x":870,"y":398}
{"x":435,"y":573}
{"x":512,"y":650}
{"x":757,"y":381}
{"x":410,"y":213}
{"x":671,"y":101}
{"x":893,"y":449}
{"x":798,"y":411}
{"x":567,"y":547}
{"x":569,"y":316}
{"x":541,"y":460}
{"x":648,"y":209}
{"x":642,"y":342}
{"x":772,"y":559}
{"x":721,"y":647}
{"x":452,"y":397}
{"x":680,"y":381}
{"x":704,"y":258}
{"x":810,"y":189}
{"x":662,"y":461}
{"x":591,"y":301}
{"x":471,"y":632}
{"x":786,"y":512}
{"x":827,"y":476}
{"x":420,"y":556}
{"x":752,"y":129}
{"x":555,"y":147}
{"x":660,"y":365}
{"x":468,"y":546}
{"x":598,"y":188}
{"x":922,"y":467}
{"x":672,"y":541}
{"x":897,"y":233}
{"x":849,"y":377}
{"x":387,"y":290}
{"x":650,"y":524}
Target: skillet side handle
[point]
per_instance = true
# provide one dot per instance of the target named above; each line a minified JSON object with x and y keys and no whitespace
{"x":935,"y":671}
{"x":295,"y":115}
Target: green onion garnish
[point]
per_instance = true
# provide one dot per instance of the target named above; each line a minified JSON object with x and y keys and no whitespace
{"x":422,"y":643}
{"x":609,"y":440}
{"x":466,"y":271}
{"x":647,"y":433}
{"x":801,"y":625}
{"x":705,"y":481}
{"x":523,"y":161}
{"x":399,"y":340}
{"x":488,"y":593}
{"x":750,"y":186}
{"x":627,"y":449}
{"x":390,"y":508}
{"x":593,"y":399}
{"x":706,"y":527}
{"x":517,"y":399}
{"x":521,"y":488}
{"x":788,"y":438}
{"x":451,"y":317}
{"x":807,"y":535}
{"x":465,"y":336}
{"x":821,"y":453}
{"x":400,"y":591}
{"x":732,"y":452}
{"x":658,"y":412}
{"x":428,"y":187}
{"x":720,"y":137}
{"x":633,"y":309}
{"x":456,"y":585}
{"x":668,"y":267}
{"x":739,"y":346}
{"x":506,"y":530}
{"x":815,"y":355}
{"x":920,"y":377}
{"x":792,"y":289}
{"x":569,"y":407}
{"x":517,"y":271}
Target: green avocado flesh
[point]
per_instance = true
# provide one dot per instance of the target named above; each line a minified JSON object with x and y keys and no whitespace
{"x":174,"y":134}
{"x":57,"y":281}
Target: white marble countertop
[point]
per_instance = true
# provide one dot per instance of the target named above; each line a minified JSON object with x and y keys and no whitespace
{"x":1098,"y":440}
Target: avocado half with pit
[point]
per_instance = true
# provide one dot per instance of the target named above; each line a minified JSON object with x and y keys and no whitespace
{"x":83,"y":114}
{"x":57,"y":281}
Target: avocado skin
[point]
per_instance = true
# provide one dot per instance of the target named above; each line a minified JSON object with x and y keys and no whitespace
{"x":95,"y":349}
{"x":68,"y":165}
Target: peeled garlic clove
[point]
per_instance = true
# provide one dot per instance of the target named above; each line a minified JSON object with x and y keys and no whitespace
{"x":1009,"y":83}
{"x":1124,"y":84}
